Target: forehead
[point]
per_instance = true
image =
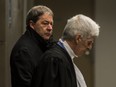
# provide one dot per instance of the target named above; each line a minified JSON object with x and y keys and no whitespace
{"x":46,"y":16}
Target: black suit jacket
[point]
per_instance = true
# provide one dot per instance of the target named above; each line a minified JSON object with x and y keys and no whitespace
{"x":55,"y":69}
{"x":24,"y":58}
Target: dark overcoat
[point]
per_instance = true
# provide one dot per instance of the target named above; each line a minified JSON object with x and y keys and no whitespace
{"x":24,"y":58}
{"x":55,"y":69}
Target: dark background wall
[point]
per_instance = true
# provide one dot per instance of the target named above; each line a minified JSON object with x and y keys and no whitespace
{"x":105,"y":59}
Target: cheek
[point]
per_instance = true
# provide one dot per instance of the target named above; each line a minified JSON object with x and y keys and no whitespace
{"x":82,"y":50}
{"x":39,"y":28}
{"x":40,"y":32}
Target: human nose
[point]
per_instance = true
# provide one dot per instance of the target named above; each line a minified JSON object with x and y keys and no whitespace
{"x":50,"y":27}
{"x":90,"y":46}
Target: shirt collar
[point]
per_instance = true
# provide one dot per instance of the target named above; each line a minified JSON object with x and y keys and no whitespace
{"x":68,"y":49}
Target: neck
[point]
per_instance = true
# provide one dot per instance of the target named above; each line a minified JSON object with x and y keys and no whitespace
{"x":71,"y":43}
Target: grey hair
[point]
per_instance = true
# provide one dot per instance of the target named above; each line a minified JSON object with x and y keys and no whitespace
{"x":80,"y":24}
{"x":35,"y":12}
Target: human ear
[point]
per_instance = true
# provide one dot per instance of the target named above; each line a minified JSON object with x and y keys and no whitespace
{"x":31,"y":23}
{"x":78,"y":38}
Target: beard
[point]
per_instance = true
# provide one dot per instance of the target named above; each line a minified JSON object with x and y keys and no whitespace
{"x":87,"y":52}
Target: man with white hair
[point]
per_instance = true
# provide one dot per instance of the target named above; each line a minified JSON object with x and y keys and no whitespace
{"x":56,"y":68}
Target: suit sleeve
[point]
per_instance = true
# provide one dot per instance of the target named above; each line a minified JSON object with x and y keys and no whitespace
{"x":21,"y":69}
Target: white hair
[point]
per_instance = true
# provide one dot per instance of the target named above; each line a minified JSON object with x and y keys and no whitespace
{"x":80,"y":24}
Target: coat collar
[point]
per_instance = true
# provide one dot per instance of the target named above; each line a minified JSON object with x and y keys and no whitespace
{"x":37,"y":38}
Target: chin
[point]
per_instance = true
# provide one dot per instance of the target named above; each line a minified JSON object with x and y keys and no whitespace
{"x":46,"y":38}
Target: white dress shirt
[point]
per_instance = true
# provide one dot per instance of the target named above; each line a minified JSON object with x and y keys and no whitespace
{"x":79,"y":77}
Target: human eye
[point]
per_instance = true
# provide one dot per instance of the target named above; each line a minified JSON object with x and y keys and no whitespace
{"x":45,"y":22}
